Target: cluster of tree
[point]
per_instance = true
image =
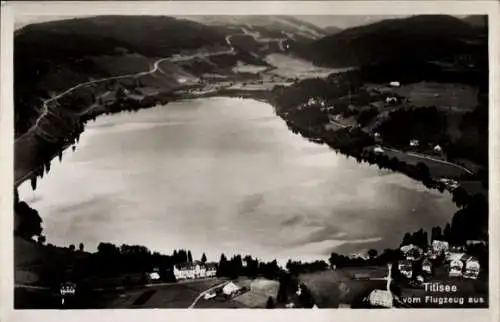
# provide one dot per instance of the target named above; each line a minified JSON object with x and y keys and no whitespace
{"x":113,"y":260}
{"x":298,"y":267}
{"x":28,"y":222}
{"x":419,"y":238}
{"x":247,"y":266}
{"x":472,"y":143}
{"x":428,"y":125}
{"x":182,"y":256}
{"x":366,"y":116}
{"x":387,"y":256}
{"x":470,"y":222}
{"x":289,"y":284}
{"x":329,"y":90}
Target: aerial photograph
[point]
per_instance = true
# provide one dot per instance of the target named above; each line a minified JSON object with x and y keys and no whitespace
{"x":250,"y":161}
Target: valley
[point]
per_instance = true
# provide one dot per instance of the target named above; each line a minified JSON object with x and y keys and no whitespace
{"x":401,"y":120}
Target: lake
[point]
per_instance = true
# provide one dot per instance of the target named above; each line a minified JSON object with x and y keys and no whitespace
{"x":224,"y":175}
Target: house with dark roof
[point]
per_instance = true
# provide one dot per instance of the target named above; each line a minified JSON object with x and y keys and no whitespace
{"x":194,"y":270}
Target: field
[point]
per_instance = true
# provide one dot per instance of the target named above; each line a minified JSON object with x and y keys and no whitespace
{"x":331,"y":288}
{"x":260,"y":290}
{"x":458,"y":97}
{"x":290,"y":67}
{"x":176,"y":295}
{"x":253,"y":69}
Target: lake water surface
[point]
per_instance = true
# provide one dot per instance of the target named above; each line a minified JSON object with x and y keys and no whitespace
{"x":224,"y":175}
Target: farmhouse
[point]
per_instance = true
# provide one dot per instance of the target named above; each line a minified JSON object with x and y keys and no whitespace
{"x":412,"y":252}
{"x":456,"y":263}
{"x":194,"y":270}
{"x":475,"y":242}
{"x":472,"y":268}
{"x":395,"y":84}
{"x":456,"y":267}
{"x":230,"y":289}
{"x":438,"y":149}
{"x":405,"y":268}
{"x":439,"y":247}
{"x":391,"y":100}
{"x":427,"y":266}
{"x":414,"y":143}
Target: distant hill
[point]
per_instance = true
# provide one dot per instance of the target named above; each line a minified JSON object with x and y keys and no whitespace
{"x":41,"y":46}
{"x":477,"y":20}
{"x":417,"y":38}
{"x":265,"y":26}
{"x":147,"y":35}
{"x":332,"y":30}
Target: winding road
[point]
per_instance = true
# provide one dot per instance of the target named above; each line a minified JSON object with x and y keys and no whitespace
{"x":414,"y":154}
{"x":153,"y":69}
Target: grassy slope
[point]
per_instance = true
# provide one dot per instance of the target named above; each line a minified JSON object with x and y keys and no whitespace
{"x":34,"y":262}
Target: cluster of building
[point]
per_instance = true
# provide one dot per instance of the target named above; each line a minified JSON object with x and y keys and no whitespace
{"x":460,"y":264}
{"x":194,"y":270}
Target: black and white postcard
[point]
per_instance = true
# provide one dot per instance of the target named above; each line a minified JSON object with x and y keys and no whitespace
{"x":232,"y":158}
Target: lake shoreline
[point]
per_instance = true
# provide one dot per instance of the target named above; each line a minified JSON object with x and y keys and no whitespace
{"x":264,"y":95}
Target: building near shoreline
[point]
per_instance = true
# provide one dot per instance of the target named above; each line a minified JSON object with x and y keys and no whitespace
{"x":194,"y":270}
{"x":414,"y":143}
{"x":427,"y":266}
{"x":439,"y":247}
{"x":472,"y":269}
{"x":230,"y":289}
{"x":412,"y":252}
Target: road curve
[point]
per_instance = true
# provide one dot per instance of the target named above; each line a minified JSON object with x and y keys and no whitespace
{"x":152,"y":70}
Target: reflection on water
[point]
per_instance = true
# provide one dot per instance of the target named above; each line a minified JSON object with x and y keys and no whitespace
{"x":224,"y":175}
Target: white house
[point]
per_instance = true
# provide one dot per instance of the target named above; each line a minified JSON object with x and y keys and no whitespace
{"x":378,"y":149}
{"x":471,"y":242}
{"x":472,"y":269}
{"x":412,"y":252}
{"x":211,"y":269}
{"x":395,"y":84}
{"x":427,"y":266}
{"x":456,"y":267}
{"x":391,"y":99}
{"x":194,"y":270}
{"x":414,"y":143}
{"x":405,"y":268}
{"x":154,"y":276}
{"x":311,"y":101}
{"x":438,"y":149}
{"x":440,"y":247}
{"x":230,"y":288}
